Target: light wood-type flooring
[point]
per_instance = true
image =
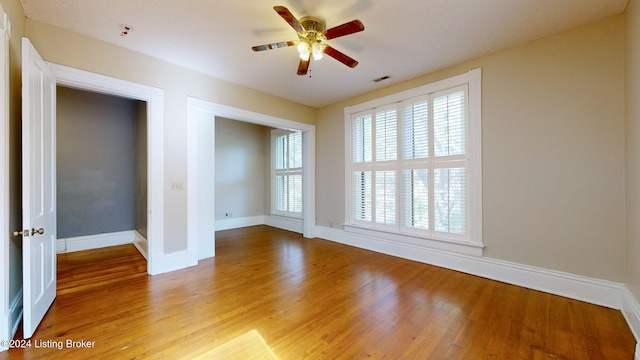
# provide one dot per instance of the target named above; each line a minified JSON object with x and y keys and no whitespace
{"x":295,"y":298}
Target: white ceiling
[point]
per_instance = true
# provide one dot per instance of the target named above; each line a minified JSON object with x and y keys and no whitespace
{"x":403,"y":39}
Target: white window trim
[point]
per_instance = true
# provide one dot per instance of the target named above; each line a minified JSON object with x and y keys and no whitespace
{"x":475,"y":244}
{"x":275,"y":134}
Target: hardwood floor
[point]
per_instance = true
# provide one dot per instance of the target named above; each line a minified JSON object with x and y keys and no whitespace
{"x":310,"y":299}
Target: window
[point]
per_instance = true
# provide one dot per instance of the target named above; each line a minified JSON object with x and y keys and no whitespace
{"x":414,"y":166}
{"x":287,"y":173}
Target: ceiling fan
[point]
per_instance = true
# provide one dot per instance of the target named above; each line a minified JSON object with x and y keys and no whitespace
{"x":312,"y":38}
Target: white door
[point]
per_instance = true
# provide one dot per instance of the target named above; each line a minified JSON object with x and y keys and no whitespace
{"x":38,"y":187}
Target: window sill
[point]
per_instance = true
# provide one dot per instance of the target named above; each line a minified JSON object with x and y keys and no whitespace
{"x":416,"y":241}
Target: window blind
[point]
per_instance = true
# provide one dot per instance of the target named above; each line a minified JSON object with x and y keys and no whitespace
{"x":362,"y":140}
{"x":287,"y":189}
{"x":410,"y":165}
{"x":362,"y":196}
{"x":449,"y":124}
{"x":415,"y":130}
{"x":386,"y":135}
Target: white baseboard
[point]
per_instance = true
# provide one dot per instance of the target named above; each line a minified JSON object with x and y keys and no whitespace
{"x":631,"y":312}
{"x":280,"y":222}
{"x":4,"y":329}
{"x":234,"y":223}
{"x":11,"y":320}
{"x":595,"y":291}
{"x":164,"y":263}
{"x":141,"y":243}
{"x":15,"y":314}
{"x":80,"y":243}
{"x":285,"y":223}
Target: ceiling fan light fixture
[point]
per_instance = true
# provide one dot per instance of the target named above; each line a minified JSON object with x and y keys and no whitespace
{"x":304,"y":50}
{"x":312,"y":35}
{"x":317,"y":50}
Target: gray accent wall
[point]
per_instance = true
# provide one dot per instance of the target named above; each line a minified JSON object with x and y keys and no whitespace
{"x":97,"y":164}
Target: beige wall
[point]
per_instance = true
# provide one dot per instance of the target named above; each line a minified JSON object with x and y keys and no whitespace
{"x":240,"y":169}
{"x":553,"y":139}
{"x":632,"y":96}
{"x":67,"y":48}
{"x":553,"y":151}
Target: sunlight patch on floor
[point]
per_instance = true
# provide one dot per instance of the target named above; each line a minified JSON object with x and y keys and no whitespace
{"x":249,"y":345}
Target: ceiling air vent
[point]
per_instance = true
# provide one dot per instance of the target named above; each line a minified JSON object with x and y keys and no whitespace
{"x":382,"y":78}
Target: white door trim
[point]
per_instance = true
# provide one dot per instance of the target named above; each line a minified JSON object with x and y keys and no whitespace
{"x":196,"y":110}
{"x":85,"y":80}
{"x":38,"y":188}
{"x":6,"y":331}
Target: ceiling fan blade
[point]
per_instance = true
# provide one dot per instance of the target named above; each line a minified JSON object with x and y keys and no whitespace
{"x":303,"y":67}
{"x":340,"y":56}
{"x":273,"y":46}
{"x":344,"y":29}
{"x":289,"y":18}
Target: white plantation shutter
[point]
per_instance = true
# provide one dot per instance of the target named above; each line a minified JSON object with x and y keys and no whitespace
{"x":450,"y":123}
{"x":362,"y":139}
{"x":450,"y":180}
{"x":362,"y":199}
{"x":415,"y":129}
{"x":414,"y":163}
{"x":280,"y":152}
{"x":287,"y":185}
{"x":415,"y":199}
{"x":294,"y":159}
{"x":280,"y":197}
{"x":386,"y":197}
{"x":410,"y":166}
{"x":450,"y":200}
{"x":362,"y":157}
{"x":386,"y":135}
{"x":415,"y":151}
{"x":294,"y":193}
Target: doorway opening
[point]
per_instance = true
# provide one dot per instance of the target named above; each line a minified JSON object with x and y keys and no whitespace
{"x":101,"y":175}
{"x":157,"y":261}
{"x":201,"y":117}
{"x":258,"y":176}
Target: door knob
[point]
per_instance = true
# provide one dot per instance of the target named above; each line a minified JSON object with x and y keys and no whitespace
{"x":39,"y":231}
{"x":16,"y":233}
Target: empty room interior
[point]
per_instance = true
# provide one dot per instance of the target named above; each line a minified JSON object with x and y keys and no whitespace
{"x":320,"y":179}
